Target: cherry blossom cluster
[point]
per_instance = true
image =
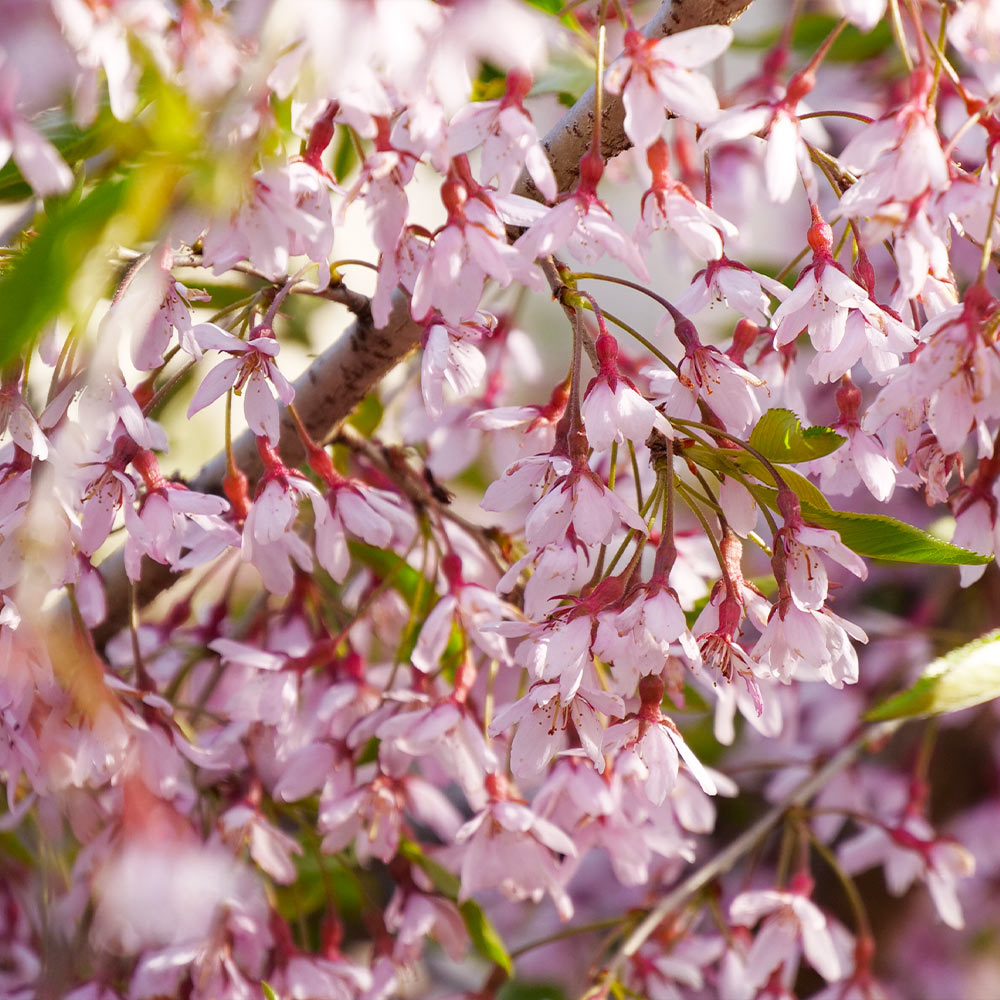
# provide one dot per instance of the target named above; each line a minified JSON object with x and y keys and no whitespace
{"x":408,"y":699}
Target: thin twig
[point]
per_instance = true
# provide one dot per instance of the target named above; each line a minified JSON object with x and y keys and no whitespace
{"x":745,"y":842}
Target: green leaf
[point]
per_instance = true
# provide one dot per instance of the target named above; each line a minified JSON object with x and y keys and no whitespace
{"x":319,"y":877}
{"x":851,"y":46}
{"x":807,"y":492}
{"x":877,"y":536}
{"x":484,"y":936}
{"x":779,"y":437}
{"x":567,"y":73}
{"x":40,"y":281}
{"x":443,"y":880}
{"x":367,"y":415}
{"x":967,"y":676}
{"x":724,"y":460}
{"x":412,"y":586}
{"x":517,"y":989}
{"x":269,"y":993}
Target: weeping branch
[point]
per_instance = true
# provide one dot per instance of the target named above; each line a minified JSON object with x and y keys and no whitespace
{"x":355,"y":363}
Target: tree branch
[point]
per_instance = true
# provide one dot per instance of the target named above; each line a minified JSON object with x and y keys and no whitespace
{"x":344,"y":374}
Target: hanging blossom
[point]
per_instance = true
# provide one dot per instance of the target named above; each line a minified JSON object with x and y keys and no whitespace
{"x":270,"y":540}
{"x":825,"y":302}
{"x":581,"y":223}
{"x":734,"y":284}
{"x":511,"y":848}
{"x":471,"y":246}
{"x":705,"y":374}
{"x":648,"y":746}
{"x":451,"y":357}
{"x":447,"y":730}
{"x":792,"y":925}
{"x":670,"y":205}
{"x":37,"y":159}
{"x":952,"y":382}
{"x":613,"y":409}
{"x":251,"y":371}
{"x":581,"y":502}
{"x":16,"y":417}
{"x":656,"y":75}
{"x":636,"y":635}
{"x":172,"y":519}
{"x":287,"y":212}
{"x":861,"y":458}
{"x":506,"y":137}
{"x":901,"y":165}
{"x":381,"y":182}
{"x":171,"y":319}
{"x":470,"y":606}
{"x":909,"y":850}
{"x":350,"y":507}
{"x":977,"y":515}
{"x":718,"y":628}
{"x":803,"y":546}
{"x":808,"y":644}
{"x":549,"y":722}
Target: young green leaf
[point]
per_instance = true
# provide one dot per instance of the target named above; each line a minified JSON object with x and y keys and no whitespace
{"x":443,"y":880}
{"x":484,"y":936}
{"x":780,"y":437}
{"x":40,"y":281}
{"x":877,"y":536}
{"x":725,"y":460}
{"x":967,"y":676}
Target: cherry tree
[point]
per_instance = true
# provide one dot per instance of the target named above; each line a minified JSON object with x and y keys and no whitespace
{"x":497,"y":499}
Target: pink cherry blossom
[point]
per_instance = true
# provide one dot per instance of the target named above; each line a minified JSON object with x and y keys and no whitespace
{"x":450,"y":733}
{"x":171,"y":518}
{"x":471,"y":247}
{"x":579,"y":499}
{"x":452,"y":358}
{"x":287,"y":212}
{"x":792,"y":925}
{"x":654,"y":76}
{"x":898,"y":158}
{"x":544,"y":721}
{"x":510,"y":848}
{"x":787,"y":157}
{"x":637,"y":638}
{"x":613,"y":409}
{"x":823,"y":302}
{"x":705,"y":374}
{"x":808,"y":643}
{"x":724,"y":280}
{"x":861,"y":459}
{"x":37,"y":159}
{"x":977,"y":526}
{"x":670,"y":205}
{"x":469,"y":606}
{"x":910,"y":851}
{"x":583,"y":225}
{"x":649,"y":747}
{"x":270,"y":541}
{"x":507,"y":137}
{"x":251,"y":369}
